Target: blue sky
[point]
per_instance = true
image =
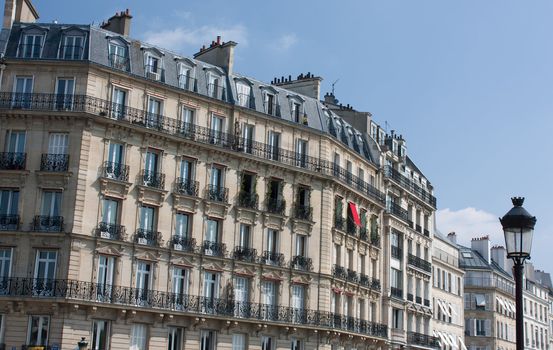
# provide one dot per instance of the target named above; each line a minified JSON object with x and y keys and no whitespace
{"x":468,"y":83}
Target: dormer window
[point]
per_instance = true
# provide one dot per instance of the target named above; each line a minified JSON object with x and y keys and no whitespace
{"x":214,"y":86}
{"x":186,"y":79}
{"x":244,"y":94}
{"x":297,"y":109}
{"x":270,"y":105}
{"x":72,"y":47}
{"x":118,"y":55}
{"x":153,"y":67}
{"x":31,"y":46}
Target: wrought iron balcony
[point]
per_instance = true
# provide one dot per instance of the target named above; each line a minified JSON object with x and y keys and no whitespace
{"x":339,"y":222}
{"x":417,"y":262}
{"x":410,"y":297}
{"x":9,"y":222}
{"x":418,"y":228}
{"x":276,"y":206}
{"x":397,"y":211}
{"x":183,"y":243}
{"x":248,"y":200}
{"x":217,"y":91}
{"x":353,"y":276}
{"x":54,"y":162}
{"x":423,"y":340}
{"x":12,"y":160}
{"x":300,"y":262}
{"x":245,"y":100}
{"x":409,"y":185}
{"x":396,"y":252}
{"x":375,"y":284}
{"x":351,"y":227}
{"x":426,"y":302}
{"x":303,"y":212}
{"x":187,"y":82}
{"x":115,"y":171}
{"x":214,"y":248}
{"x":147,"y":237}
{"x":245,"y":254}
{"x":22,"y":288}
{"x":426,"y":232}
{"x":354,"y":181}
{"x":111,"y":231}
{"x":375,"y":240}
{"x":153,"y":179}
{"x":418,"y":300}
{"x":119,"y":62}
{"x":45,"y":223}
{"x":187,"y":187}
{"x":339,"y":272}
{"x":272,"y":258}
{"x":396,"y":292}
{"x":216,"y":193}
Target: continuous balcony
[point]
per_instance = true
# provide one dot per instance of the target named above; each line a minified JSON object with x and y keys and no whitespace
{"x":172,"y":126}
{"x":276,"y":206}
{"x":147,"y":237}
{"x":397,"y":211}
{"x":9,"y":222}
{"x":420,"y":263}
{"x":409,"y":185}
{"x":396,"y":292}
{"x":339,"y":272}
{"x":54,"y":162}
{"x":248,"y":200}
{"x":46,"y":223}
{"x":153,"y":179}
{"x":115,"y":171}
{"x":216,"y":193}
{"x":214,"y":249}
{"x":303,"y":212}
{"x":245,"y":254}
{"x":111,"y":231}
{"x":186,"y":187}
{"x":12,"y":160}
{"x":300,"y":262}
{"x":423,"y":340}
{"x":353,"y":276}
{"x":183,"y":243}
{"x":22,"y":288}
{"x":272,"y":258}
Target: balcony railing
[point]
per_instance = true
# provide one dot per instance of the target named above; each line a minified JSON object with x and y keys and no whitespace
{"x":423,"y":340}
{"x":154,"y":72}
{"x":276,"y":206}
{"x":46,"y":223}
{"x":54,"y":162}
{"x":396,"y":292}
{"x":245,"y":100}
{"x":272,"y":258}
{"x":216,"y":193}
{"x":119,"y":62}
{"x":300,"y":262}
{"x":351,"y":227}
{"x":9,"y":222}
{"x":418,"y":300}
{"x":339,"y":272}
{"x":409,"y":185}
{"x":183,"y":243}
{"x":396,"y":252}
{"x":115,"y":171}
{"x":187,"y":82}
{"x":111,"y":231}
{"x":417,"y":262}
{"x":410,"y":297}
{"x":187,"y":187}
{"x":496,"y":282}
{"x":248,"y":200}
{"x":353,"y":276}
{"x":172,"y":126}
{"x":214,"y":249}
{"x":217,"y":91}
{"x":147,"y":237}
{"x":153,"y":179}
{"x":303,"y":212}
{"x":12,"y":160}
{"x":418,"y":228}
{"x":71,"y":52}
{"x":397,"y":211}
{"x":339,"y":223}
{"x":245,"y":254}
{"x":201,"y":306}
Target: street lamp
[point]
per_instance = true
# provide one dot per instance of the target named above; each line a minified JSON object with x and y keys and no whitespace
{"x":518,"y":227}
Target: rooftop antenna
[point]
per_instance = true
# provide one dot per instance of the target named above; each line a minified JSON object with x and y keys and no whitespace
{"x":386,"y":125}
{"x":334,"y":84}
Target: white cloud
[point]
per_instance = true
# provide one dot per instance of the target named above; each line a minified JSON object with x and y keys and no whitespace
{"x":286,"y":41}
{"x":181,"y":37}
{"x":468,"y":223}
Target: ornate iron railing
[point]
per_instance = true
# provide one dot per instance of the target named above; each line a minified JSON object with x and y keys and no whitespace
{"x":153,"y":179}
{"x":185,"y":303}
{"x":245,"y":254}
{"x":9,"y":222}
{"x":276,"y":206}
{"x":71,"y":52}
{"x":248,"y":200}
{"x":217,"y":91}
{"x":396,"y":292}
{"x":423,"y":340}
{"x":272,"y":258}
{"x":187,"y":187}
{"x":214,"y":249}
{"x":397,"y":210}
{"x":419,"y":263}
{"x":409,"y":185}
{"x":339,"y":272}
{"x":184,"y":244}
{"x":12,"y":160}
{"x":54,"y":162}
{"x":147,"y":237}
{"x":187,"y":82}
{"x":351,"y":227}
{"x":396,"y":252}
{"x":216,"y":193}
{"x":45,"y":223}
{"x":303,"y":212}
{"x":353,"y":276}
{"x":339,"y":222}
{"x":111,"y":231}
{"x":300,"y":262}
{"x":119,"y":62}
{"x":245,"y":100}
{"x":115,"y":171}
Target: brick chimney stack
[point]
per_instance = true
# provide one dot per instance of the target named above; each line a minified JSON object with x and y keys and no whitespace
{"x":219,"y":54}
{"x":19,"y":11}
{"x":119,"y":23}
{"x":483,"y":246}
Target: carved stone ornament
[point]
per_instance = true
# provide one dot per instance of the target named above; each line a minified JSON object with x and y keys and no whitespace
{"x":13,"y":178}
{"x":216,"y":209}
{"x":272,"y":275}
{"x":150,"y":195}
{"x":212,"y":265}
{"x":109,"y":249}
{"x":274,"y":221}
{"x":242,"y":269}
{"x":247,"y":216}
{"x":52,"y":180}
{"x":147,"y":255}
{"x":186,"y":203}
{"x":183,"y":261}
{"x":113,"y":188}
{"x":302,"y":226}
{"x":301,"y":279}
{"x":338,"y":237}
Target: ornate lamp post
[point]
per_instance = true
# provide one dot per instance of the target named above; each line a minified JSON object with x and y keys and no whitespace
{"x":518,"y":227}
{"x":82,"y":344}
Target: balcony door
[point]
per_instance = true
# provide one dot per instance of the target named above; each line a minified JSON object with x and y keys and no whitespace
{"x":58,"y":143}
{"x":154,"y":113}
{"x":119,"y":103}
{"x":111,"y":209}
{"x":268,"y":299}
{"x":23,"y":89}
{"x":143,"y":281}
{"x":147,"y":218}
{"x":5,"y":271}
{"x":297,"y":302}
{"x":180,"y":287}
{"x":50,"y":211}
{"x":241,"y":297}
{"x":15,"y":141}
{"x":105,"y":276}
{"x":274,"y":145}
{"x":216,"y":129}
{"x":64,"y":93}
{"x":45,"y":272}
{"x":211,"y":291}
{"x":151,"y":166}
{"x":114,"y":167}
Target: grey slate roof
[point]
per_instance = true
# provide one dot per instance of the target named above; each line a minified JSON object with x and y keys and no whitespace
{"x":475,"y":261}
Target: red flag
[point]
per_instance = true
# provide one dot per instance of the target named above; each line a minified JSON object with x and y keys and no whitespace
{"x":353,"y":209}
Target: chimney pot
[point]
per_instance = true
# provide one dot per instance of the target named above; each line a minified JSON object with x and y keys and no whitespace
{"x":218,"y":39}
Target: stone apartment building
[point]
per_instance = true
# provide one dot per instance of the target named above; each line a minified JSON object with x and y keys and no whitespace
{"x":536,"y":308}
{"x":154,"y":201}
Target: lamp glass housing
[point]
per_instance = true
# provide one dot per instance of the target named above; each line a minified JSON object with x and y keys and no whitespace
{"x":518,"y":242}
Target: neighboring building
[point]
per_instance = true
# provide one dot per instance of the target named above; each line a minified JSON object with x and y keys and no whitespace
{"x":447,"y":292}
{"x":536,"y":308}
{"x":150,"y":200}
{"x":489,"y":293}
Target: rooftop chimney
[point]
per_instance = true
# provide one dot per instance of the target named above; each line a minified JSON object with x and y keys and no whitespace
{"x":19,"y":11}
{"x":219,"y":54}
{"x":119,"y":23}
{"x":452,"y":236}
{"x":305,"y":84}
{"x":499,"y":255}
{"x":482,"y":245}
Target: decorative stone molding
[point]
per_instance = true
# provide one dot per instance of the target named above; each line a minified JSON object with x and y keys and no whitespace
{"x":302,"y":226}
{"x":109,"y":249}
{"x":188,"y":261}
{"x":216,"y":209}
{"x":150,"y":195}
{"x":13,"y":178}
{"x":274,"y":221}
{"x":147,"y":255}
{"x":113,"y":188}
{"x":213,"y":265}
{"x":52,"y":180}
{"x":245,"y":270}
{"x":182,"y":202}
{"x":246,"y":215}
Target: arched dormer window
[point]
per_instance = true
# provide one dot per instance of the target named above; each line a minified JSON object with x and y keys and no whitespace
{"x":118,"y":53}
{"x":244,"y":95}
{"x":297,"y":109}
{"x":72,"y":44}
{"x":32,"y":42}
{"x":270,"y":100}
{"x":186,"y":74}
{"x":153,"y":64}
{"x":215,"y":83}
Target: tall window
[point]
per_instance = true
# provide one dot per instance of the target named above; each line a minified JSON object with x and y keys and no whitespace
{"x":15,"y":141}
{"x":155,"y":110}
{"x":270,"y":105}
{"x":217,"y":183}
{"x":274,"y":145}
{"x":58,"y":143}
{"x":397,"y":318}
{"x":211,"y":291}
{"x":64,"y":93}
{"x":243,"y":91}
{"x":187,"y":119}
{"x":119,"y":103}
{"x":241,"y":296}
{"x":110,"y":212}
{"x":100,"y":334}
{"x":182,"y":225}
{"x":244,"y":239}
{"x":5,"y":273}
{"x":106,"y":266}
{"x":23,"y":87}
{"x":151,"y":167}
{"x":180,"y":284}
{"x":248,"y":135}
{"x":31,"y":46}
{"x":268,"y":299}
{"x":238,"y":341}
{"x":185,"y":77}
{"x":143,"y":280}
{"x":153,"y":67}
{"x":296,"y":344}
{"x":50,"y":211}
{"x":39,"y":327}
{"x":9,"y":209}
{"x":212,"y":239}
{"x":118,"y":56}
{"x":174,"y":338}
{"x":296,"y":111}
{"x":301,"y":245}
{"x":72,"y":48}
{"x":214,"y":87}
{"x":267,"y":343}
{"x":147,"y":218}
{"x":45,"y":266}
{"x":139,"y":337}
{"x":301,"y":153}
{"x":216,"y":130}
{"x":208,"y":340}
{"x":272,"y":241}
{"x":298,"y":296}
